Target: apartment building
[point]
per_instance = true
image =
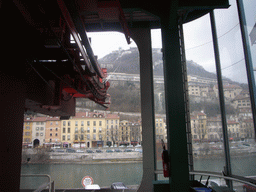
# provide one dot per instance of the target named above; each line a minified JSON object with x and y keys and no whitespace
{"x":53,"y":131}
{"x":112,"y":129}
{"x":27,"y":132}
{"x":241,"y":101}
{"x":160,"y":129}
{"x":214,"y":129}
{"x":198,"y":126}
{"x":38,"y":131}
{"x":88,"y":129}
{"x":230,"y":90}
{"x":124,"y":129}
{"x":234,"y":130}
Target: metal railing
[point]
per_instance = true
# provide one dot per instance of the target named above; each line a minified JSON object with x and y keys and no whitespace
{"x":235,"y":178}
{"x":49,"y":184}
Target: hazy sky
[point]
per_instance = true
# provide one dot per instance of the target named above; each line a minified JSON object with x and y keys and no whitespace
{"x":198,"y":42}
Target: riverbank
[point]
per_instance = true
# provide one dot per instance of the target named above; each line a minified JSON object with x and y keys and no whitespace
{"x":44,"y":157}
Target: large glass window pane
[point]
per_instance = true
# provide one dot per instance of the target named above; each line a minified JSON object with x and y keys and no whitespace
{"x":236,"y":91}
{"x":206,"y":127}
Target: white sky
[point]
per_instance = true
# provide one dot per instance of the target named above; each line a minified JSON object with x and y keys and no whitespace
{"x":198,"y":43}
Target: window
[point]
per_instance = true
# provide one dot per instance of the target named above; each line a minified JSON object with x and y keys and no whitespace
{"x":94,"y":123}
{"x":50,"y":134}
{"x":69,"y":123}
{"x":94,"y":129}
{"x":37,"y":128}
{"x":64,"y":130}
{"x":100,"y":129}
{"x":69,"y":130}
{"x":76,"y":123}
{"x":88,"y":123}
{"x":63,"y":137}
{"x":82,"y":130}
{"x":94,"y":136}
{"x":64,"y":123}
{"x":76,"y":130}
{"x":41,"y":134}
{"x":37,"y":134}
{"x":42,"y":128}
{"x":88,"y":129}
{"x":56,"y":129}
{"x":82,"y":123}
{"x":100,"y":123}
{"x":68,"y":137}
{"x":88,"y":137}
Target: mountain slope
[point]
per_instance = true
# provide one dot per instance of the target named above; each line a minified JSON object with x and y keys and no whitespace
{"x":127,"y":61}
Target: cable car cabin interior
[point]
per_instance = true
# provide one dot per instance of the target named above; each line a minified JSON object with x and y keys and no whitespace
{"x":43,"y":72}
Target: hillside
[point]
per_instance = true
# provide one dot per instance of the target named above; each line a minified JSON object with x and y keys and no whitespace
{"x":127,"y":61}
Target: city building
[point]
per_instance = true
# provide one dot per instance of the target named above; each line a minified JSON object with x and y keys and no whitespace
{"x":53,"y":131}
{"x":160,"y":128}
{"x":230,"y":90}
{"x":234,"y":131}
{"x":241,"y":101}
{"x":112,"y":129}
{"x":38,"y":131}
{"x":88,"y":129}
{"x":135,"y":133}
{"x":198,"y":126}
{"x":214,"y":129}
{"x":125,"y":129}
{"x":27,"y":132}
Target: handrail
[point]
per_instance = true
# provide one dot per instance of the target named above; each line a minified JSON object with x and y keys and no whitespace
{"x":40,"y":175}
{"x":241,"y":179}
{"x":236,"y":178}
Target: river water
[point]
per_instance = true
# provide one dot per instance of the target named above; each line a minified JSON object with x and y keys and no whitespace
{"x":70,"y":175}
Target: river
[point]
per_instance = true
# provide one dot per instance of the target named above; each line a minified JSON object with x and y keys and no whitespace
{"x":70,"y":175}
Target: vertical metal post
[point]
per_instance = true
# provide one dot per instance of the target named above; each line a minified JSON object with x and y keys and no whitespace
{"x":221,"y":98}
{"x":248,"y":59}
{"x":142,"y":37}
{"x":175,"y":105}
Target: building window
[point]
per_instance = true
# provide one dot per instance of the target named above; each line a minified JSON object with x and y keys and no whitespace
{"x":64,"y":123}
{"x":100,"y":123}
{"x":94,"y":123}
{"x":64,"y":130}
{"x":69,"y":123}
{"x":56,"y":128}
{"x":94,"y":136}
{"x":82,"y":123}
{"x":69,"y":130}
{"x":88,"y":129}
{"x":88,"y":137}
{"x":94,"y":129}
{"x":88,"y":123}
{"x":76,"y":123}
{"x":50,"y":134}
{"x":68,"y":137}
{"x":42,"y":129}
{"x":63,"y":137}
{"x":56,"y":134}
